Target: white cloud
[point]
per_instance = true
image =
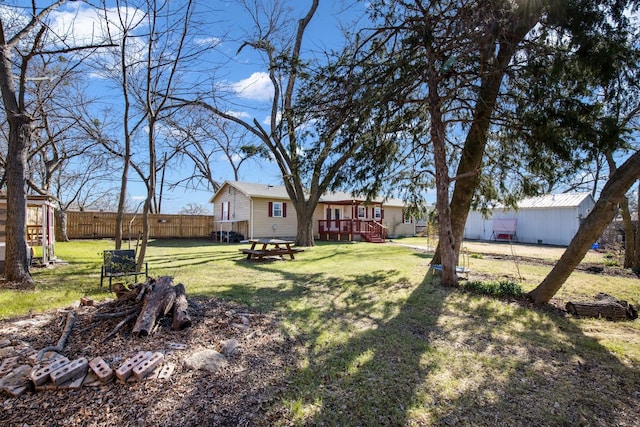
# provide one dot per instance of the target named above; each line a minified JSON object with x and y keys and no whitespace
{"x":257,"y":87}
{"x":267,"y":120}
{"x":84,"y":25}
{"x":208,"y":41}
{"x":239,"y":114}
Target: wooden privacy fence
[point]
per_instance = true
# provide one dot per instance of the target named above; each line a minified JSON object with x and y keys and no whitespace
{"x":95,"y":225}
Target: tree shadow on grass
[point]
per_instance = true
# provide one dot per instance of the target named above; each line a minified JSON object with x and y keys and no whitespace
{"x":528,"y":367}
{"x":370,"y":377}
{"x":442,"y":357}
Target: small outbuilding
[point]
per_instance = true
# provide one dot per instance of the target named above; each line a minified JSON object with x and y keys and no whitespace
{"x":551,"y":219}
{"x":39,"y":229}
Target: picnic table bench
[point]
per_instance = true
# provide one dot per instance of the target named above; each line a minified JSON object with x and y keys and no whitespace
{"x":261,"y":248}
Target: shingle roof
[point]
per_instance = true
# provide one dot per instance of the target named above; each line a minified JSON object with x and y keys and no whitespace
{"x":260,"y":190}
{"x":251,"y":189}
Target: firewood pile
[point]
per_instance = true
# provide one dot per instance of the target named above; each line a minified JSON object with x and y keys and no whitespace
{"x":604,"y":306}
{"x":49,"y":369}
{"x":146,"y":303}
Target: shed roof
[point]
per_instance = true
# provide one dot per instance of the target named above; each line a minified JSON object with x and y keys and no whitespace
{"x":564,"y":200}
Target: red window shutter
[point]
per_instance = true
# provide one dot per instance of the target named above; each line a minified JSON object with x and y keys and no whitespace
{"x":403,"y":216}
{"x":381,"y":213}
{"x":284,"y":210}
{"x":270,"y":209}
{"x":221,"y":210}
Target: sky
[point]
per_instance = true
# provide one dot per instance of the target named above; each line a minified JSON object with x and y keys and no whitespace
{"x":243,"y":74}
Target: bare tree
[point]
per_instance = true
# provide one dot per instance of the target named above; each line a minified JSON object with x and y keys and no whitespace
{"x":310,"y":158}
{"x":166,"y":55}
{"x":20,"y":43}
{"x":195,"y":209}
{"x":203,"y":138}
{"x":81,"y":184}
{"x":125,"y":60}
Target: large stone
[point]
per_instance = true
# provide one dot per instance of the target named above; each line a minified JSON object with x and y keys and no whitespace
{"x":206,"y":360}
{"x":229,"y":346}
{"x":17,"y":381}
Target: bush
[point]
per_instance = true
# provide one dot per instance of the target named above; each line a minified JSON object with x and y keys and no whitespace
{"x":500,"y":289}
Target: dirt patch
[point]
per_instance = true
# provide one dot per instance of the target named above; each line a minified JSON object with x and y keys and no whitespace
{"x":237,"y":393}
{"x":533,"y":255}
{"x":18,"y":286}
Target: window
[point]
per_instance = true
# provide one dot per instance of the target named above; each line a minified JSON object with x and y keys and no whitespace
{"x":362,"y":212}
{"x":278,"y":209}
{"x":377,"y":212}
{"x":225,"y":210}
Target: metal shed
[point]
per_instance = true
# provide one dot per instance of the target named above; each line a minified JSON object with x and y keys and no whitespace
{"x":551,"y":219}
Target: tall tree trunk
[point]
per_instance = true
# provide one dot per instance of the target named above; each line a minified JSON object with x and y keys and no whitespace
{"x":122,"y":200}
{"x":629,"y":234}
{"x":636,"y":259}
{"x":151,"y":191}
{"x":590,"y":229}
{"x":146,"y":232}
{"x":61,"y":225}
{"x":513,"y":32}
{"x":445,"y":236}
{"x":304,"y":232}
{"x":16,"y":266}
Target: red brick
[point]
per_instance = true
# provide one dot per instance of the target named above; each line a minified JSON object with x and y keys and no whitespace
{"x":42,"y":375}
{"x":147,"y":366}
{"x":70,"y":371}
{"x":125,"y":370}
{"x":101,"y":369}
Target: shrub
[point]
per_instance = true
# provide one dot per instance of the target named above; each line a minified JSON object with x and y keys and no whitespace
{"x":611,"y":263}
{"x":500,"y":289}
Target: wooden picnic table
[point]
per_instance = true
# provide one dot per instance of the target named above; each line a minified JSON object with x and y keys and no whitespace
{"x":261,"y":248}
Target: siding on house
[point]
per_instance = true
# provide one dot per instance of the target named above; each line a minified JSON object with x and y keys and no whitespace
{"x":285,"y":227}
{"x":238,"y":204}
{"x":394,"y":220}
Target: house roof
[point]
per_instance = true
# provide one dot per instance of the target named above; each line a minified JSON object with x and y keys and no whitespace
{"x":565,"y":200}
{"x":251,"y":189}
{"x":279,"y":192}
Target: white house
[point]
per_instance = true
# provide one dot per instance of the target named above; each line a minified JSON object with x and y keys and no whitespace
{"x":260,"y":210}
{"x":552,"y":219}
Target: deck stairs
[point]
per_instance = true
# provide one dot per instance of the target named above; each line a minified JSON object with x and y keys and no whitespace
{"x":376,"y":233}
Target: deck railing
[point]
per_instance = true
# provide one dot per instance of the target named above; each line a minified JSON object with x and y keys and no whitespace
{"x":350,"y":227}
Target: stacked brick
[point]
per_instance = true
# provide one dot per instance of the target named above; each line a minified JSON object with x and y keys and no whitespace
{"x":19,"y":372}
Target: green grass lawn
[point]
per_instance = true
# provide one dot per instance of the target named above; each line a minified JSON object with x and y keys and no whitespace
{"x":379,"y":343}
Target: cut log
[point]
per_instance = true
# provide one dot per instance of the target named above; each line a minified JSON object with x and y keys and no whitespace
{"x":158,"y":301}
{"x":605,"y":306}
{"x":181,"y":318}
